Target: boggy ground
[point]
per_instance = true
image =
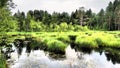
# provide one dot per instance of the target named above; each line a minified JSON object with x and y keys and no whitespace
{"x":57,"y":41}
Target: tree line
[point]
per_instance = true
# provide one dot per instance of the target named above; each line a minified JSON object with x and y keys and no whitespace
{"x":80,"y":19}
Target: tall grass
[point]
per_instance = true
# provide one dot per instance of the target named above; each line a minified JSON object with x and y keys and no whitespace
{"x":56,"y":46}
{"x":2,"y":61}
{"x":86,"y":41}
{"x":107,"y":40}
{"x":99,"y":39}
{"x":56,"y":41}
{"x":63,"y":38}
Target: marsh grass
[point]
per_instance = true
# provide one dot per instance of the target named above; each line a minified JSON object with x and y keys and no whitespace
{"x":86,"y":41}
{"x":63,"y":38}
{"x":59,"y":40}
{"x":56,"y":46}
{"x":2,"y":61}
{"x":98,"y":39}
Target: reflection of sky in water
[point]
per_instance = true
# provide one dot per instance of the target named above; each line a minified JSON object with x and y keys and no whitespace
{"x":101,"y":60}
{"x":38,"y":59}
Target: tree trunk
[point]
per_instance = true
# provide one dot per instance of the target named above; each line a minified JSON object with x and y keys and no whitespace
{"x":118,"y":26}
{"x":109,"y":22}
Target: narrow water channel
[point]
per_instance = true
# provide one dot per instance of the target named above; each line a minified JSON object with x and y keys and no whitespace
{"x":24,"y":58}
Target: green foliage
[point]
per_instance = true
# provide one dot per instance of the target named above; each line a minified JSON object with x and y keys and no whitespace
{"x":63,"y":38}
{"x":56,"y":46}
{"x":6,"y":21}
{"x":80,"y":28}
{"x":36,"y":26}
{"x":98,"y":39}
{"x":2,"y":61}
{"x":107,"y":40}
{"x":3,"y":3}
{"x":79,"y":20}
{"x":86,"y":41}
{"x":57,"y":41}
{"x":63,"y":27}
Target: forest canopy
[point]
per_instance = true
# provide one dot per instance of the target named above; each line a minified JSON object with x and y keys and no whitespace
{"x":78,"y":20}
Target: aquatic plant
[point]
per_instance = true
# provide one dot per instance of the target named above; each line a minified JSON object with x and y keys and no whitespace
{"x":56,"y":46}
{"x":86,"y":41}
{"x":63,"y":38}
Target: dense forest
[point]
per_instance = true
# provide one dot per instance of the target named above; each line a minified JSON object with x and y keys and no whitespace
{"x":40,"y":20}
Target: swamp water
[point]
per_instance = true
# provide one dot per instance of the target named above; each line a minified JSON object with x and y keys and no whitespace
{"x":23,"y":57}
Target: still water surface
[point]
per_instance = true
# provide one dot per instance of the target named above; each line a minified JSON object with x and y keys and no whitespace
{"x":24,"y":58}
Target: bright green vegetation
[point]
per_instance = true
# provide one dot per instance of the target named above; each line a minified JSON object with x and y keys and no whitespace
{"x":98,"y":39}
{"x":86,"y":41}
{"x":52,"y":32}
{"x":56,"y":46}
{"x":2,"y":61}
{"x":46,"y":29}
{"x":58,"y":41}
{"x":42,"y":21}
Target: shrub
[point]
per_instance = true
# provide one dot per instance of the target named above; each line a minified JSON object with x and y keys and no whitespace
{"x":63,"y":26}
{"x":80,"y":28}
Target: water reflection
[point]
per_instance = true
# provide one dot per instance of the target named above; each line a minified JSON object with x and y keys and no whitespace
{"x":23,"y":56}
{"x":113,"y":55}
{"x":41,"y":59}
{"x":19,"y":46}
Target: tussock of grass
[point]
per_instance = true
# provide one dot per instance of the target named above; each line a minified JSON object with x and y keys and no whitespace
{"x":107,"y":41}
{"x":53,"y":44}
{"x":98,"y":39}
{"x":39,"y":42}
{"x":56,"y":46}
{"x":63,"y":38}
{"x":86,"y":41}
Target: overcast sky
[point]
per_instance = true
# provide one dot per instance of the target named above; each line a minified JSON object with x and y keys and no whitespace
{"x":60,"y":5}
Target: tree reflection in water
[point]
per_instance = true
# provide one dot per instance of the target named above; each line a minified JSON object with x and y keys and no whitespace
{"x":113,"y":55}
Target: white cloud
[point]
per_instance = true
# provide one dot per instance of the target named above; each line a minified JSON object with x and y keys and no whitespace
{"x":59,"y":5}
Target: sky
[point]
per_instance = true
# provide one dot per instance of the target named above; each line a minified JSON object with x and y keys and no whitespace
{"x":59,"y":5}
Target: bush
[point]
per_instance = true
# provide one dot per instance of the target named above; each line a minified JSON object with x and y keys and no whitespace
{"x":80,"y":28}
{"x":63,"y":26}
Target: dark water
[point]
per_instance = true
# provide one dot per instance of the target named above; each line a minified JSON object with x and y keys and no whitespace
{"x":72,"y":59}
{"x":25,"y":57}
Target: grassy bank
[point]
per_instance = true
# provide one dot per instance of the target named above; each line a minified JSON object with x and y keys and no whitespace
{"x":58,"y":41}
